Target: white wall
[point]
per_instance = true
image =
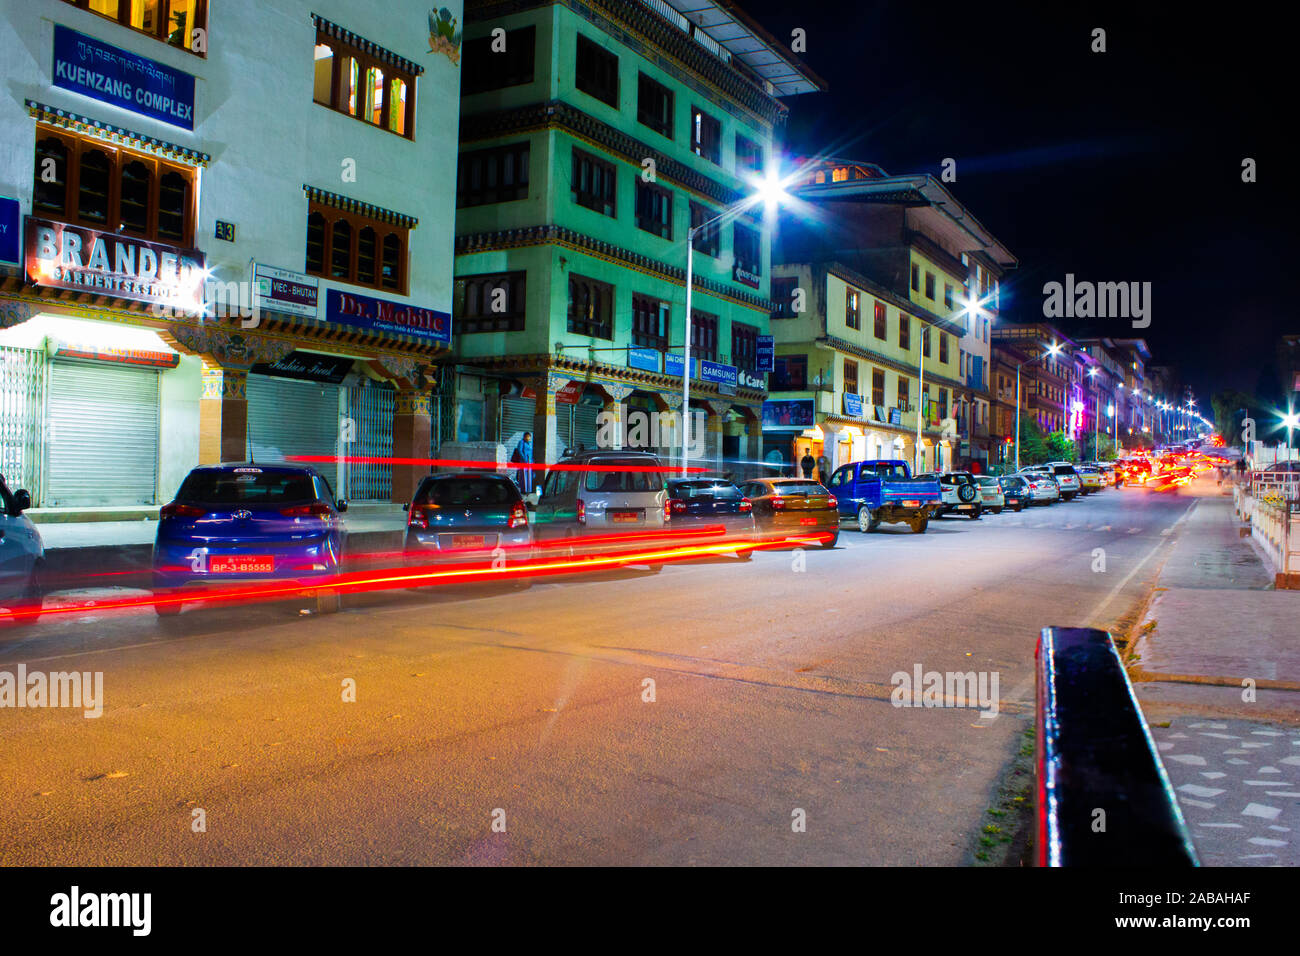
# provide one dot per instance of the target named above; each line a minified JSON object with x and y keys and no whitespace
{"x":255,"y":116}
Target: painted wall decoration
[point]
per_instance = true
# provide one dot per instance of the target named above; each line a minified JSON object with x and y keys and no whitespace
{"x":444,"y":37}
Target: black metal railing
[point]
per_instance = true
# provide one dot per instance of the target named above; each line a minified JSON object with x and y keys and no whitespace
{"x":1102,"y":797}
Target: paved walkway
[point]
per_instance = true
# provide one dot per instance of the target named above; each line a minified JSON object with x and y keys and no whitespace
{"x":1217,"y":671}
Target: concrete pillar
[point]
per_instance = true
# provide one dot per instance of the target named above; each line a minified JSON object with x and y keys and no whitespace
{"x":223,"y":416}
{"x":713,"y":442}
{"x":411,"y":431}
{"x":546,"y":447}
{"x":611,"y":431}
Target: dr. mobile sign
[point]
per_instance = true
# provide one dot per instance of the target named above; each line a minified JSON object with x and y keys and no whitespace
{"x":384,"y":315}
{"x":83,"y":260}
{"x":92,"y":68}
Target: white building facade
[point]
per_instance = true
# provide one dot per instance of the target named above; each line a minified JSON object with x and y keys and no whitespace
{"x":227,"y":231}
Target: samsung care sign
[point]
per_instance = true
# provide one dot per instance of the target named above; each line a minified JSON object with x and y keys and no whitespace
{"x":83,"y":260}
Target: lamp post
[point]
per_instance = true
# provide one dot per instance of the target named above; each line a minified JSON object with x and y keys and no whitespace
{"x":769,"y":190}
{"x":1053,"y":350}
{"x":1292,"y":421}
{"x":1096,"y":409}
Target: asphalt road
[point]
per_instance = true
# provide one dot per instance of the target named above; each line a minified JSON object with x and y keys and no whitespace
{"x":528,"y":710}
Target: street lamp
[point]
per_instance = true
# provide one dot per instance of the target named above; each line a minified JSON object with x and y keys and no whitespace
{"x":1053,"y":350}
{"x":1096,"y":452}
{"x":1292,"y":421}
{"x":770,"y":190}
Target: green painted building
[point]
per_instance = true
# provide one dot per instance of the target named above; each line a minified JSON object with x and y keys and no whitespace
{"x":594,"y":134}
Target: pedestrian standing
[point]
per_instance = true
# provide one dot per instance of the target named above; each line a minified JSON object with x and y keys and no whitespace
{"x":524,"y":455}
{"x":807,"y":463}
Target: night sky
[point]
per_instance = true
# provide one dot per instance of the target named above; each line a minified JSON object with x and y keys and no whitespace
{"x":1118,"y":166}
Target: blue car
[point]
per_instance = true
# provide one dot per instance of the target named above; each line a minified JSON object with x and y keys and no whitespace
{"x":711,"y":502}
{"x":248,"y":522}
{"x":469,"y":519}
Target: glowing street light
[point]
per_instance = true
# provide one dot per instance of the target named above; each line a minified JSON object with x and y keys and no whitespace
{"x":1053,"y":350}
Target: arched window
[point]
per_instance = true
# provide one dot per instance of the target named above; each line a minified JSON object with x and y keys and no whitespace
{"x":375,"y":95}
{"x":134,"y":193}
{"x":93,"y":193}
{"x":316,"y":243}
{"x":341,"y":250}
{"x":51,"y":184}
{"x":392,"y":277}
{"x":366,"y":253}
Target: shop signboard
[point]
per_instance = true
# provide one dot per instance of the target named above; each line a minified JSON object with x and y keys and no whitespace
{"x":111,"y":75}
{"x":61,"y":256}
{"x":11,"y":225}
{"x":766,"y":354}
{"x":718,"y":374}
{"x":308,"y":367}
{"x":372,"y":314}
{"x":645,"y":359}
{"x":292,"y":293}
{"x":852,"y":405}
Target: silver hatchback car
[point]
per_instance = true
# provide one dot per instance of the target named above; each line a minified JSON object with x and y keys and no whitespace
{"x":600,"y":493}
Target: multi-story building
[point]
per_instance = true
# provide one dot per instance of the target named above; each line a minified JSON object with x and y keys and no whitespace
{"x":873,"y":365}
{"x":594,"y":135}
{"x":1045,"y":379}
{"x":237,"y":222}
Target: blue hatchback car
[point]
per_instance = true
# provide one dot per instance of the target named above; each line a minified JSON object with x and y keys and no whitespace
{"x":248,"y":522}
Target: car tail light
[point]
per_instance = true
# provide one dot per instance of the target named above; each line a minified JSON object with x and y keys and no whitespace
{"x":518,"y":516}
{"x":314,"y":510}
{"x":418,"y":518}
{"x":582,"y":511}
{"x":832,"y":502}
{"x":673,"y":506}
{"x":178,"y":510}
{"x":746,"y":506}
{"x":777,"y":503}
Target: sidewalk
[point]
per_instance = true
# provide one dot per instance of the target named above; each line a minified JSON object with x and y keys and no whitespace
{"x":1232,"y":750}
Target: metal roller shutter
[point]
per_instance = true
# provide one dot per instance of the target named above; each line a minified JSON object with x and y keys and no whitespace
{"x":288,"y":417}
{"x":103,"y":441}
{"x":517,"y":417}
{"x":372,"y":408}
{"x":584,"y":426}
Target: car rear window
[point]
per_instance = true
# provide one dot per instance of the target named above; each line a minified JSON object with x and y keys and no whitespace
{"x":466,"y":492}
{"x":704,"y":489}
{"x":890,"y":471}
{"x":247,"y":487}
{"x":1012,"y":482}
{"x":1063,"y":470}
{"x":799,"y":488}
{"x":615,"y":476}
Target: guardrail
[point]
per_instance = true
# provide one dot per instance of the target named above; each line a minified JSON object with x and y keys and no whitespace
{"x":1101,"y":794}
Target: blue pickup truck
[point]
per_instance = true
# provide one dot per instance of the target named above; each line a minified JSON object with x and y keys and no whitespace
{"x":884,"y":490}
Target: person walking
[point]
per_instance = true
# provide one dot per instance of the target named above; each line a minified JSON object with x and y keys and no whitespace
{"x":807,"y":463}
{"x":524,"y":455}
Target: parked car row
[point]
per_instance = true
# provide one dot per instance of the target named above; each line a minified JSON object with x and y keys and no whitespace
{"x":251,"y":522}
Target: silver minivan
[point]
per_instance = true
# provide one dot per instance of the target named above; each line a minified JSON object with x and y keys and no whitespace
{"x":600,"y":493}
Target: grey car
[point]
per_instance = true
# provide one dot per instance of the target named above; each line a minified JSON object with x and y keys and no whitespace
{"x":600,"y":493}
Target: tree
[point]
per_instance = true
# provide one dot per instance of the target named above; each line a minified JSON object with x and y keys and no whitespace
{"x":1059,"y":447}
{"x":1228,"y":406}
{"x":1033,"y":447}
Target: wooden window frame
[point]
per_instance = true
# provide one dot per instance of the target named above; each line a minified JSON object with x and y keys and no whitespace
{"x":595,"y":326}
{"x":702,"y":146}
{"x":782,"y":381}
{"x":851,"y":381}
{"x":365,"y":62}
{"x":522,"y":153}
{"x":783,"y":299}
{"x":159,"y":33}
{"x":704,"y":335}
{"x":647,"y":310}
{"x":880,"y":318}
{"x":118,"y":158}
{"x":707,"y":241}
{"x":904,"y":332}
{"x":943,"y":347}
{"x":745,"y":149}
{"x":878,"y":387}
{"x":357,"y":222}
{"x":755,"y":265}
{"x":661,"y":125}
{"x":512,"y":320}
{"x":606,"y":206}
{"x":744,"y":346}
{"x":654,"y":226}
{"x":597,"y":56}
{"x":853,"y":308}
